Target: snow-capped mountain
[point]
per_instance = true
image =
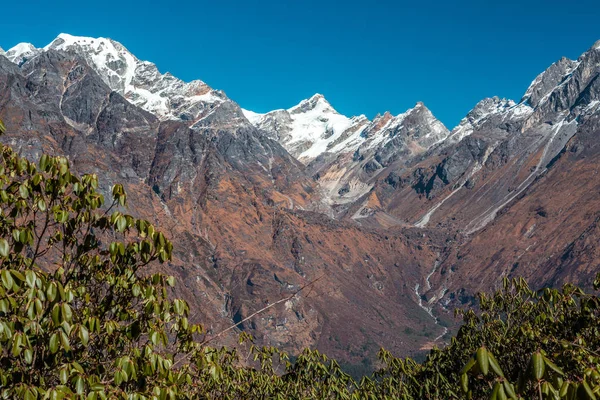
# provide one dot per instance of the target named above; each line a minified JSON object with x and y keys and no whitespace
{"x":307,"y":130}
{"x":491,"y":111}
{"x":344,"y":153}
{"x":545,"y":82}
{"x":138,"y":81}
{"x":21,"y":53}
{"x":310,"y":128}
{"x":314,"y":127}
{"x":411,"y":132}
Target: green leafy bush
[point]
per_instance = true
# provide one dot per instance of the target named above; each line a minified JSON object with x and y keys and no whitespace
{"x":522,"y":344}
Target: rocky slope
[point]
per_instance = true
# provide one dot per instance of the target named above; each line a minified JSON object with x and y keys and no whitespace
{"x":398,"y":219}
{"x":488,"y":185}
{"x":345,"y":154}
{"x":519,"y":189}
{"x":232,"y":199}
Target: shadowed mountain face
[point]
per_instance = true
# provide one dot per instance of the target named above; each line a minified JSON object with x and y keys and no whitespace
{"x":398,"y":219}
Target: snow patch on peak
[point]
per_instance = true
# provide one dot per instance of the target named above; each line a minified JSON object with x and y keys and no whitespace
{"x":360,"y":118}
{"x":314,"y":127}
{"x":315,"y":124}
{"x":317,"y":101}
{"x":21,"y":53}
{"x":64,"y":40}
{"x":544,"y":83}
{"x":485,"y":109}
{"x":114,"y":63}
{"x":308,"y":129}
{"x":140,"y":81}
{"x":417,"y":128}
{"x":252,"y":117}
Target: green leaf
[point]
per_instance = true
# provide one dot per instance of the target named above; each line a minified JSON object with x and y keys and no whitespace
{"x":18,"y":275}
{"x":552,"y":366}
{"x":162,"y":256}
{"x":79,"y":385}
{"x":28,"y":356}
{"x":51,"y":291}
{"x":30,"y":278}
{"x":113,"y":248}
{"x":23,"y":191}
{"x":56,"y":314}
{"x":4,"y":248}
{"x":37,"y":178}
{"x":29,"y":395}
{"x":171,"y":281}
{"x":121,"y":223}
{"x":64,"y":340}
{"x":63,"y":376}
{"x":84,"y":335}
{"x":464,"y":382}
{"x":44,"y":162}
{"x":16,"y":344}
{"x":54,"y":343}
{"x":494,"y":365}
{"x":67,"y":312}
{"x":585,"y":391}
{"x":509,"y":390}
{"x":483,"y":360}
{"x":537,"y":366}
{"x":7,"y":279}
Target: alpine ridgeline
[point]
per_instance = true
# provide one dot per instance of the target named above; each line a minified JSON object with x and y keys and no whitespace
{"x":392,"y":222}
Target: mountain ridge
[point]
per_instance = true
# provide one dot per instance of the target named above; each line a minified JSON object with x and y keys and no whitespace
{"x":402,"y":216}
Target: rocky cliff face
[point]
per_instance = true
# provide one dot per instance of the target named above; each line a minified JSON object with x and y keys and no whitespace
{"x":511,"y":183}
{"x":343,"y":154}
{"x":398,"y":219}
{"x":232,"y":199}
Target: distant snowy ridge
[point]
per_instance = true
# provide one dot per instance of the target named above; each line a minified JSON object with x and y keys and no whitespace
{"x":21,"y":53}
{"x":139,"y":81}
{"x":314,"y":127}
{"x":489,"y":109}
{"x":309,"y":128}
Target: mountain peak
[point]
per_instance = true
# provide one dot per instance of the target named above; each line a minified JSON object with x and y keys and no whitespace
{"x":21,"y":53}
{"x":316,"y":102}
{"x":545,"y":82}
{"x":65,"y":41}
{"x":385,"y":116}
{"x":419,"y":108}
{"x":139,"y":81}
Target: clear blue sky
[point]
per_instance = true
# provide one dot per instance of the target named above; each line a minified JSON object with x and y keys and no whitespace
{"x":364,"y":56}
